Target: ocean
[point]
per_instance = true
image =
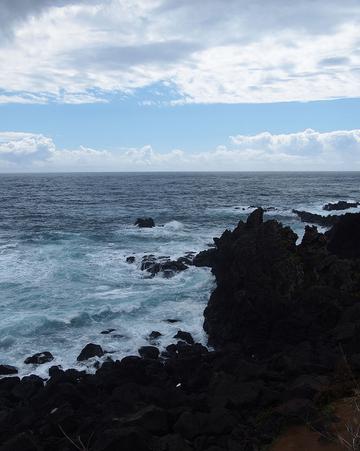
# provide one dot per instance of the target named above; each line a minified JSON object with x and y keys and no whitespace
{"x":64,"y":240}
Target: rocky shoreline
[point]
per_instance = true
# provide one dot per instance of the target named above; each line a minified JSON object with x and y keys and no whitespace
{"x":284,"y":322}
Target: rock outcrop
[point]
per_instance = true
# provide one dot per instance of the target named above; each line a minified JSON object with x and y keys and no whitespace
{"x":145,"y":222}
{"x":284,"y":320}
{"x":270,"y":291}
{"x":313,"y":218}
{"x":340,"y":205}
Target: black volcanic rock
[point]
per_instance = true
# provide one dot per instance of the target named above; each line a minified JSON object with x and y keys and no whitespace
{"x":184,"y":336}
{"x":145,"y":222}
{"x":149,"y":352}
{"x":163,"y":265}
{"x":344,"y":237}
{"x":313,"y":218}
{"x":205,"y":258}
{"x":40,"y":358}
{"x":90,"y":350}
{"x":257,"y":271}
{"x":130,"y":259}
{"x":340,"y":205}
{"x":6,"y":370}
{"x":270,"y":291}
{"x":154,"y":335}
{"x":284,"y":320}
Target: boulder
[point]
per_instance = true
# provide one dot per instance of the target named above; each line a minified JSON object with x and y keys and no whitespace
{"x":6,"y":370}
{"x":154,"y":335}
{"x":90,"y":350}
{"x":130,"y":259}
{"x":149,"y":352}
{"x":145,"y":222}
{"x":39,"y":358}
{"x":184,"y":336}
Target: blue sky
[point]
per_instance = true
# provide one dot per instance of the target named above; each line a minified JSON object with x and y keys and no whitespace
{"x":179,"y":85}
{"x":125,"y":123}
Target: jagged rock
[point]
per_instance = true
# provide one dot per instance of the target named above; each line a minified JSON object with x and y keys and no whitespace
{"x":185,"y":336}
{"x":90,"y":350}
{"x":149,"y":352}
{"x":257,"y":271}
{"x":145,"y":222}
{"x":313,"y":218}
{"x":39,"y":358}
{"x":6,"y":370}
{"x":270,"y":291}
{"x":130,"y":259}
{"x":340,"y":205}
{"x":283,"y":318}
{"x":344,"y":237}
{"x":205,"y":258}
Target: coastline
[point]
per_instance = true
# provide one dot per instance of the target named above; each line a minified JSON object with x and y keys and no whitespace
{"x":283,"y":321}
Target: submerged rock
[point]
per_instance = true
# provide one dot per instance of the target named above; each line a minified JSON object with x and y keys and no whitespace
{"x":107,"y":331}
{"x":39,"y":358}
{"x":163,"y":265}
{"x":90,"y":350}
{"x":145,"y":222}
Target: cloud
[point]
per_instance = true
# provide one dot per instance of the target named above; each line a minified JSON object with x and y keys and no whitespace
{"x":335,"y":61}
{"x":120,"y":57}
{"x":306,"y":150}
{"x":13,"y":12}
{"x":24,"y":148}
{"x":211,"y":52}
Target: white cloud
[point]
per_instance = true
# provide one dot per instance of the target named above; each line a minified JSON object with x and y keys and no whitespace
{"x":235,"y":51}
{"x":306,"y":150}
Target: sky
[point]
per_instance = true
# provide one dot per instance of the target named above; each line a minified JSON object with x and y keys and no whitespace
{"x":179,"y":85}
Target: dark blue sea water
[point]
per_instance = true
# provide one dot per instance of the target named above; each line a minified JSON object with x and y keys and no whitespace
{"x":64,"y":239}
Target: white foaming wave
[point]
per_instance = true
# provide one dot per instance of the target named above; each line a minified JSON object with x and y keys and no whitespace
{"x":174,"y":226}
{"x":174,"y":229}
{"x":186,"y":304}
{"x":318,"y":208}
